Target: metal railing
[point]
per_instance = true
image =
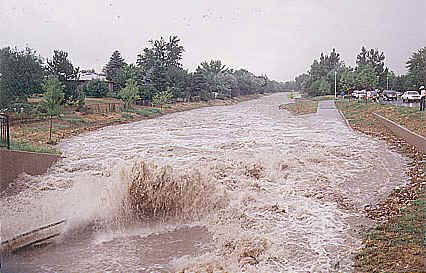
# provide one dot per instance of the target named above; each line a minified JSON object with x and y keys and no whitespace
{"x":4,"y":131}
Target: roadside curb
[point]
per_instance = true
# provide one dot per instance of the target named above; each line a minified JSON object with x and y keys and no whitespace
{"x":410,"y":137}
{"x":344,"y":118}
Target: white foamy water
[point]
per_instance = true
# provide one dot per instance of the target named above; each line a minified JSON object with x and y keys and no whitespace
{"x":304,"y":204}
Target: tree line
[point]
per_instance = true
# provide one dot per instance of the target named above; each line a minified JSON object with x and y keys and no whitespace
{"x":158,"y":74}
{"x":369,"y":73}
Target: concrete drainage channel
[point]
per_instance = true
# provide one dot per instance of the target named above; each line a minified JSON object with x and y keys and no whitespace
{"x":37,"y":237}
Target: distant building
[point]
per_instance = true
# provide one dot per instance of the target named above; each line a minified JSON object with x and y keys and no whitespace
{"x":86,"y":76}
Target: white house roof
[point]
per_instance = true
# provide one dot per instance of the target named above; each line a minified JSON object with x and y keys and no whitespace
{"x":91,"y":76}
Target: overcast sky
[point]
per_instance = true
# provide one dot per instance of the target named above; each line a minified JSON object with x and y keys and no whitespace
{"x":280,"y":38}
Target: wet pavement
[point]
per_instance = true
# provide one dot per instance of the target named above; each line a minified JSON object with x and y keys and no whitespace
{"x":314,"y":176}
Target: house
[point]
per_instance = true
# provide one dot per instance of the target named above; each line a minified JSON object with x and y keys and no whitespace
{"x":86,"y":76}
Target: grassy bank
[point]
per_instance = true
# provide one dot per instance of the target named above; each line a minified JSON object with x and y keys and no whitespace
{"x":34,"y":136}
{"x":397,"y":243}
{"x":301,"y":107}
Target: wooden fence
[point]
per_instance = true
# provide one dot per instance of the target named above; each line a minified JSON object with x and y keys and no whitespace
{"x":104,"y":107}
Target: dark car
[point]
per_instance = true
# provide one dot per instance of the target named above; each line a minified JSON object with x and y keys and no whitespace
{"x":390,"y":95}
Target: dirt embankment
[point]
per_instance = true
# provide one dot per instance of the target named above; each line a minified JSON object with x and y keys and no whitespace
{"x":397,"y":243}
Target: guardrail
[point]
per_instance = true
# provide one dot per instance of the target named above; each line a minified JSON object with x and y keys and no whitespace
{"x":4,"y":131}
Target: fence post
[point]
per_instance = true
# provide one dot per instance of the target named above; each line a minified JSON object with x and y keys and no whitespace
{"x":8,"y":136}
{"x":4,"y":131}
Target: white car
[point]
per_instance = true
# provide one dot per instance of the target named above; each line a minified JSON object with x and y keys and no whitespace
{"x":410,"y":96}
{"x":359,"y":94}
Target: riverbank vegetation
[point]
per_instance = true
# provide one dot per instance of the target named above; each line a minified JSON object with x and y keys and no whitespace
{"x":329,"y":73}
{"x":301,"y":107}
{"x":156,"y":84}
{"x":158,"y":69}
{"x":397,"y":243}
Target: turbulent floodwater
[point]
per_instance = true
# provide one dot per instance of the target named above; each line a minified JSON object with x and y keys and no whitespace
{"x":296,"y":188}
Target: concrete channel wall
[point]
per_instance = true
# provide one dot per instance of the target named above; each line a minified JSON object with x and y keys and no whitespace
{"x":13,"y":163}
{"x":412,"y":138}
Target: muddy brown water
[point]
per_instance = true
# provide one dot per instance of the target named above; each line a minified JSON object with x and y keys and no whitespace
{"x":315,"y":177}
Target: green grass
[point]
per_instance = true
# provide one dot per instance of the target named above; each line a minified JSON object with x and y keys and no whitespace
{"x":126,"y":116}
{"x":146,"y":112}
{"x":74,"y":121}
{"x":320,"y":98}
{"x":27,"y":147}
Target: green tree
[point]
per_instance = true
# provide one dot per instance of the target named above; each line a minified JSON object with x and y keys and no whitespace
{"x":52,"y":99}
{"x":130,"y":93}
{"x":22,"y":74}
{"x":114,"y":70}
{"x":347,"y":80}
{"x":200,"y":86}
{"x":324,"y":87}
{"x":365,"y":77}
{"x":61,"y":67}
{"x":417,"y":69}
{"x":156,"y":60}
{"x":162,"y":98}
{"x":95,"y":88}
{"x":375,"y":59}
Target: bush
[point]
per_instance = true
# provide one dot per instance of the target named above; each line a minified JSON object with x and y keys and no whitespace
{"x":20,"y":107}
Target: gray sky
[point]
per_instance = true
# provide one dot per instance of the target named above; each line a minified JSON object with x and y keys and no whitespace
{"x":279,"y":38}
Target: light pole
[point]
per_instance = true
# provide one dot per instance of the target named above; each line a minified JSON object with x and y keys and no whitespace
{"x":387,"y":81}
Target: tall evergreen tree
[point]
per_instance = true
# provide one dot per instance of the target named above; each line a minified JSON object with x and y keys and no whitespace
{"x":376,"y":60}
{"x":113,"y":70}
{"x":62,"y":68}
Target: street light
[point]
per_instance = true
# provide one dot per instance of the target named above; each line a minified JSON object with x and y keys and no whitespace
{"x":387,"y":81}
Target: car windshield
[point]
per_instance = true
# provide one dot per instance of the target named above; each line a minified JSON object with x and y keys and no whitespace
{"x":412,"y":93}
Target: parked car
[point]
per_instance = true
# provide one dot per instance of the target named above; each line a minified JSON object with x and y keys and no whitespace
{"x":410,"y":96}
{"x":389,"y":95}
{"x":359,"y":94}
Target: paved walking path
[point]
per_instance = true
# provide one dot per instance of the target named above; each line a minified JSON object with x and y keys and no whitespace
{"x":328,"y":110}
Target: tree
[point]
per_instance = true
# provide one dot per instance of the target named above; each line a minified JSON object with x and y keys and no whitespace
{"x":324,"y":87}
{"x":21,"y":73}
{"x":130,"y":93}
{"x":95,"y":88}
{"x":114,"y":69}
{"x":52,"y":99}
{"x":200,"y":86}
{"x":365,"y":77}
{"x":162,"y":98}
{"x":417,"y":68}
{"x":66,"y":73}
{"x":214,"y":67}
{"x":347,"y":79}
{"x":156,"y":60}
{"x":375,"y":59}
